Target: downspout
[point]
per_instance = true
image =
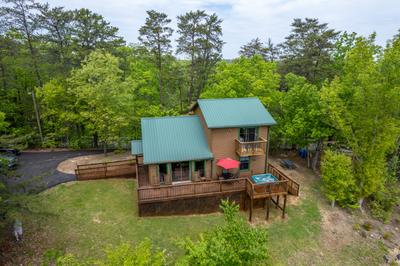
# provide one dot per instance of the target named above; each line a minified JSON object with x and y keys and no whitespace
{"x":267,"y":152}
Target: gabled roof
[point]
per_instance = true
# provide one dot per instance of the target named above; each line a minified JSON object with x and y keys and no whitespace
{"x":234,"y":112}
{"x":173,"y":139}
{"x":136,"y":147}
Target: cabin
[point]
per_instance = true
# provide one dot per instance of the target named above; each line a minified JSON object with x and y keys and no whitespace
{"x":187,"y":164}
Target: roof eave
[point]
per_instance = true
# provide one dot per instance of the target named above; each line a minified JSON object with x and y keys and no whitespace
{"x":247,"y":125}
{"x":175,"y":161}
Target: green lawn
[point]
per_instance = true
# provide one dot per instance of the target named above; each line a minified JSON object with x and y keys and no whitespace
{"x":85,"y":218}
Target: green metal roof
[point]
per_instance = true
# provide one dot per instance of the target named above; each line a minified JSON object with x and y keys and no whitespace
{"x":136,"y":147}
{"x":173,"y":139}
{"x":235,"y":112}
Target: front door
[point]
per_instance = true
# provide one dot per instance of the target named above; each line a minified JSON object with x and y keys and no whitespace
{"x":180,"y":171}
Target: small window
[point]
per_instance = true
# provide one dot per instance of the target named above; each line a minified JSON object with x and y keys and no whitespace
{"x":244,"y":163}
{"x":163,"y":171}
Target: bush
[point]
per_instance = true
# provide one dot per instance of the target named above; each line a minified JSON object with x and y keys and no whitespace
{"x":383,"y":202}
{"x":234,"y":243}
{"x":367,"y":226}
{"x":338,"y":179}
{"x":143,"y":254}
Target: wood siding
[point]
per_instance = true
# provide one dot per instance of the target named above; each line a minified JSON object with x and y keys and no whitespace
{"x":223,"y":145}
{"x":207,"y":131}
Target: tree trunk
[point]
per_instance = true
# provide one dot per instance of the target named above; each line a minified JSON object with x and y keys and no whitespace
{"x":95,"y":140}
{"x":317,"y":154}
{"x":3,"y":75}
{"x":333,"y":204}
{"x":37,"y":116}
{"x":360,"y":203}
{"x":308,"y":157}
{"x":105,"y":148}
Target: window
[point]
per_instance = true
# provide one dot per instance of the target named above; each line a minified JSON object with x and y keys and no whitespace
{"x":199,"y":168}
{"x":244,"y":163}
{"x":180,"y":171}
{"x":163,"y":171}
{"x":248,"y":134}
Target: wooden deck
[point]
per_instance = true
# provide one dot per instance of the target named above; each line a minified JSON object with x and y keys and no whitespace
{"x":266,"y":191}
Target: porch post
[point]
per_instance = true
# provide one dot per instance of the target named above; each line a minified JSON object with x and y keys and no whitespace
{"x":251,"y":210}
{"x":284,"y":207}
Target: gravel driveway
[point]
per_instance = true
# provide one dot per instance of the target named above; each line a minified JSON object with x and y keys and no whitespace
{"x":37,"y":171}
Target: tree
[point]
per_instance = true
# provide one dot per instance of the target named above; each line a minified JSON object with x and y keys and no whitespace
{"x":233,"y":243}
{"x":307,"y":50}
{"x":363,"y":106}
{"x":199,"y":39}
{"x":90,"y":31}
{"x":244,"y":77}
{"x":103,"y":99}
{"x":254,"y":47}
{"x":22,"y":16}
{"x":272,"y":51}
{"x":338,"y":178}
{"x":155,"y":35}
{"x":302,"y":120}
{"x":3,"y":123}
{"x":58,"y":25}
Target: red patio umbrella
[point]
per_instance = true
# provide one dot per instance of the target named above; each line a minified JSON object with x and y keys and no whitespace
{"x":228,"y":163}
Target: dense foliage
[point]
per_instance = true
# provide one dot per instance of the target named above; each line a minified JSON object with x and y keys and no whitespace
{"x":338,"y":178}
{"x":233,"y":243}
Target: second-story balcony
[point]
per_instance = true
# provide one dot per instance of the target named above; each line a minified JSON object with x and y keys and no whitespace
{"x":251,"y":148}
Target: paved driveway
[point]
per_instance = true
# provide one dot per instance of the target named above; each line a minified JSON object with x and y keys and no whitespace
{"x":37,"y":171}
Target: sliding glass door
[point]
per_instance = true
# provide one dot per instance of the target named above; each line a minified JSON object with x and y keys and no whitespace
{"x":180,"y":171}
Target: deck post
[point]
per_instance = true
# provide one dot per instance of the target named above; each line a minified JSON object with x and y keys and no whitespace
{"x":267,"y":210}
{"x":277,"y":201}
{"x":251,"y":210}
{"x":284,"y":207}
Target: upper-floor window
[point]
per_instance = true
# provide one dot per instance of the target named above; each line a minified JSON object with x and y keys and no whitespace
{"x":248,"y":134}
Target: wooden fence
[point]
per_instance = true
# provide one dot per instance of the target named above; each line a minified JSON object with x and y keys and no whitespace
{"x":123,"y":168}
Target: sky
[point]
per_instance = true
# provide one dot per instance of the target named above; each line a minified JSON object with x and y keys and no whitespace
{"x":244,"y":20}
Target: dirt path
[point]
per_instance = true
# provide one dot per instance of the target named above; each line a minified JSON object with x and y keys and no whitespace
{"x":337,"y":224}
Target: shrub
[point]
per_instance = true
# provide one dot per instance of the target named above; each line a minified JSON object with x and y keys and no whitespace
{"x":367,"y":226}
{"x":233,"y":243}
{"x":383,"y":202}
{"x":143,"y":254}
{"x":338,"y":179}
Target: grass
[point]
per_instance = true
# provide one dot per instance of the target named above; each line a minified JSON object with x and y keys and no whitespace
{"x":85,"y":218}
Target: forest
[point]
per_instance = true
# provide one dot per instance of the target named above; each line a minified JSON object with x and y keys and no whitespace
{"x":69,"y":80}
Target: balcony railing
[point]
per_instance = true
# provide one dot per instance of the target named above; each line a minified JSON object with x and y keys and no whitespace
{"x":251,"y":148}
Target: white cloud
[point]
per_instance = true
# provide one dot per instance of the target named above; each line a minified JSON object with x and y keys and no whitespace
{"x":247,"y":19}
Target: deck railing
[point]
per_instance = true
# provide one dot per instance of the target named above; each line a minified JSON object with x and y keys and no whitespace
{"x":293,"y":186}
{"x":191,"y":189}
{"x":251,"y":148}
{"x":266,"y":189}
{"x":204,"y":188}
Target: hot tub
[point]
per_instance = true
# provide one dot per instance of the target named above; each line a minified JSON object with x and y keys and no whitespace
{"x":264,"y":178}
